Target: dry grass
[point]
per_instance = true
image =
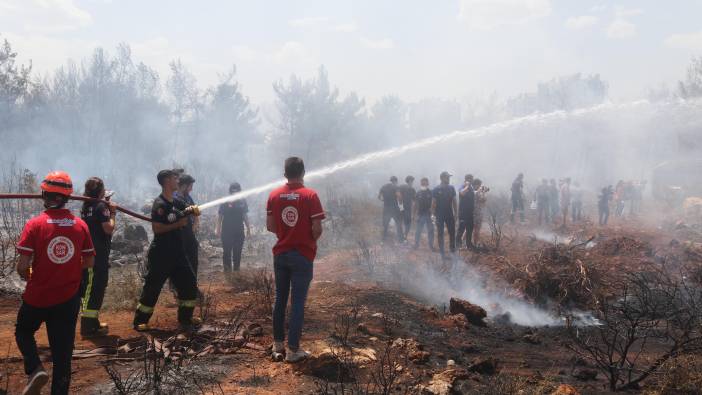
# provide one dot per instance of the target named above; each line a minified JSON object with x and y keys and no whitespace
{"x":260,"y":283}
{"x":510,"y":384}
{"x":680,"y":376}
{"x":123,"y":289}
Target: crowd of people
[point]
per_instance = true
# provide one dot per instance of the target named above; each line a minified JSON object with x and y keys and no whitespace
{"x":455,"y":211}
{"x":459,"y":210}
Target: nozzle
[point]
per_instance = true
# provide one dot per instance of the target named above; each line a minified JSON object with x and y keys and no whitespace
{"x":196,"y":210}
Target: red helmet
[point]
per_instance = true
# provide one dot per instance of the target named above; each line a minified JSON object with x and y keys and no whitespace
{"x":58,"y":182}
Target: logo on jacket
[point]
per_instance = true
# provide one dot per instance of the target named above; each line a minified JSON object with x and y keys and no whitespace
{"x":60,"y":250}
{"x":61,"y":221}
{"x":290,"y":216}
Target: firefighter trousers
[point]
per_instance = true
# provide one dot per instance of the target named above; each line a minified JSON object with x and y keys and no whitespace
{"x":162,"y":265}
{"x":60,"y":323}
{"x":192,"y":248}
{"x":93,"y":287}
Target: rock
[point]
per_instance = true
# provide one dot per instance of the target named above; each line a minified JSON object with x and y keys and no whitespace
{"x":503,"y":319}
{"x":135,"y":233}
{"x":450,"y":362}
{"x":419,"y":357}
{"x":486,"y":366}
{"x":442,"y":383}
{"x":565,"y":389}
{"x":585,"y":374}
{"x":326,"y":366}
{"x":473,"y":313}
{"x":124,"y":246}
{"x":409,"y":344}
{"x":459,"y":320}
{"x":531,"y":338}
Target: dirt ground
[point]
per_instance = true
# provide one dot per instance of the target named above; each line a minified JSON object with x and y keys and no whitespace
{"x":376,"y":315}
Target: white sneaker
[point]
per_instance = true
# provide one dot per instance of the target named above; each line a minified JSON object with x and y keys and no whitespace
{"x":296,"y":356}
{"x":36,"y":381}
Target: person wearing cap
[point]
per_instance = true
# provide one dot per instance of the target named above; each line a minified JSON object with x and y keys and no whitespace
{"x":390,"y":196}
{"x":100,"y":217}
{"x":407,"y":195}
{"x":54,"y":248}
{"x":192,"y":246}
{"x":231,"y":218}
{"x":444,"y":207}
{"x":167,"y":258}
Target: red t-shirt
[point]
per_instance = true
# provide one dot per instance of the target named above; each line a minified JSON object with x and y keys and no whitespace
{"x":59,"y":241}
{"x":294,"y":207}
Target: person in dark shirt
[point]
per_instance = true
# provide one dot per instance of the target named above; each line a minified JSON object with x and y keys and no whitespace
{"x":407,"y":193}
{"x":444,"y":205}
{"x":231,"y":219}
{"x":422,"y":209}
{"x":167,"y":257}
{"x":192,"y":246}
{"x":100,"y":217}
{"x":466,"y":208}
{"x":518,"y":198}
{"x":390,"y":196}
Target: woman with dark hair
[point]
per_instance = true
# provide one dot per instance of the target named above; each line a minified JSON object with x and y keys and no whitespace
{"x":230,"y":226}
{"x":100,"y":217}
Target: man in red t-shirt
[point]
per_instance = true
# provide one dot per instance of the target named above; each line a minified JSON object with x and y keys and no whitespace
{"x":295,"y":215}
{"x":54,"y":248}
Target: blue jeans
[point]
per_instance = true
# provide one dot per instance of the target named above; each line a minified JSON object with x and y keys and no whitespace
{"x":422,"y":221}
{"x":293,"y":274}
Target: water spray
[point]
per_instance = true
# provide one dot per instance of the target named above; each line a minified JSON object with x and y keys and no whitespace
{"x":393,"y":152}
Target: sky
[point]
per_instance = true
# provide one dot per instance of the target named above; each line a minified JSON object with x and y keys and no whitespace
{"x":411,"y":48}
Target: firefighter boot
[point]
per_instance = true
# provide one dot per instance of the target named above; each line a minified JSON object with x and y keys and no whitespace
{"x":92,"y":327}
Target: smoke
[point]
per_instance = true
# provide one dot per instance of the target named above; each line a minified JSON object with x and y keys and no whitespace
{"x":525,"y":124}
{"x":435,"y":281}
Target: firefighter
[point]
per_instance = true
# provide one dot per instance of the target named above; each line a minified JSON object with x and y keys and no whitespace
{"x":100,"y":217}
{"x":167,"y":258}
{"x":54,"y":248}
{"x":185,"y":187}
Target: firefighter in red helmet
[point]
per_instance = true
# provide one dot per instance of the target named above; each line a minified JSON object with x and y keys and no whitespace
{"x":54,"y":248}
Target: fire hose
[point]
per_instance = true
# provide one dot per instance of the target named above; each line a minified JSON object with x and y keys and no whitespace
{"x":194,"y":211}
